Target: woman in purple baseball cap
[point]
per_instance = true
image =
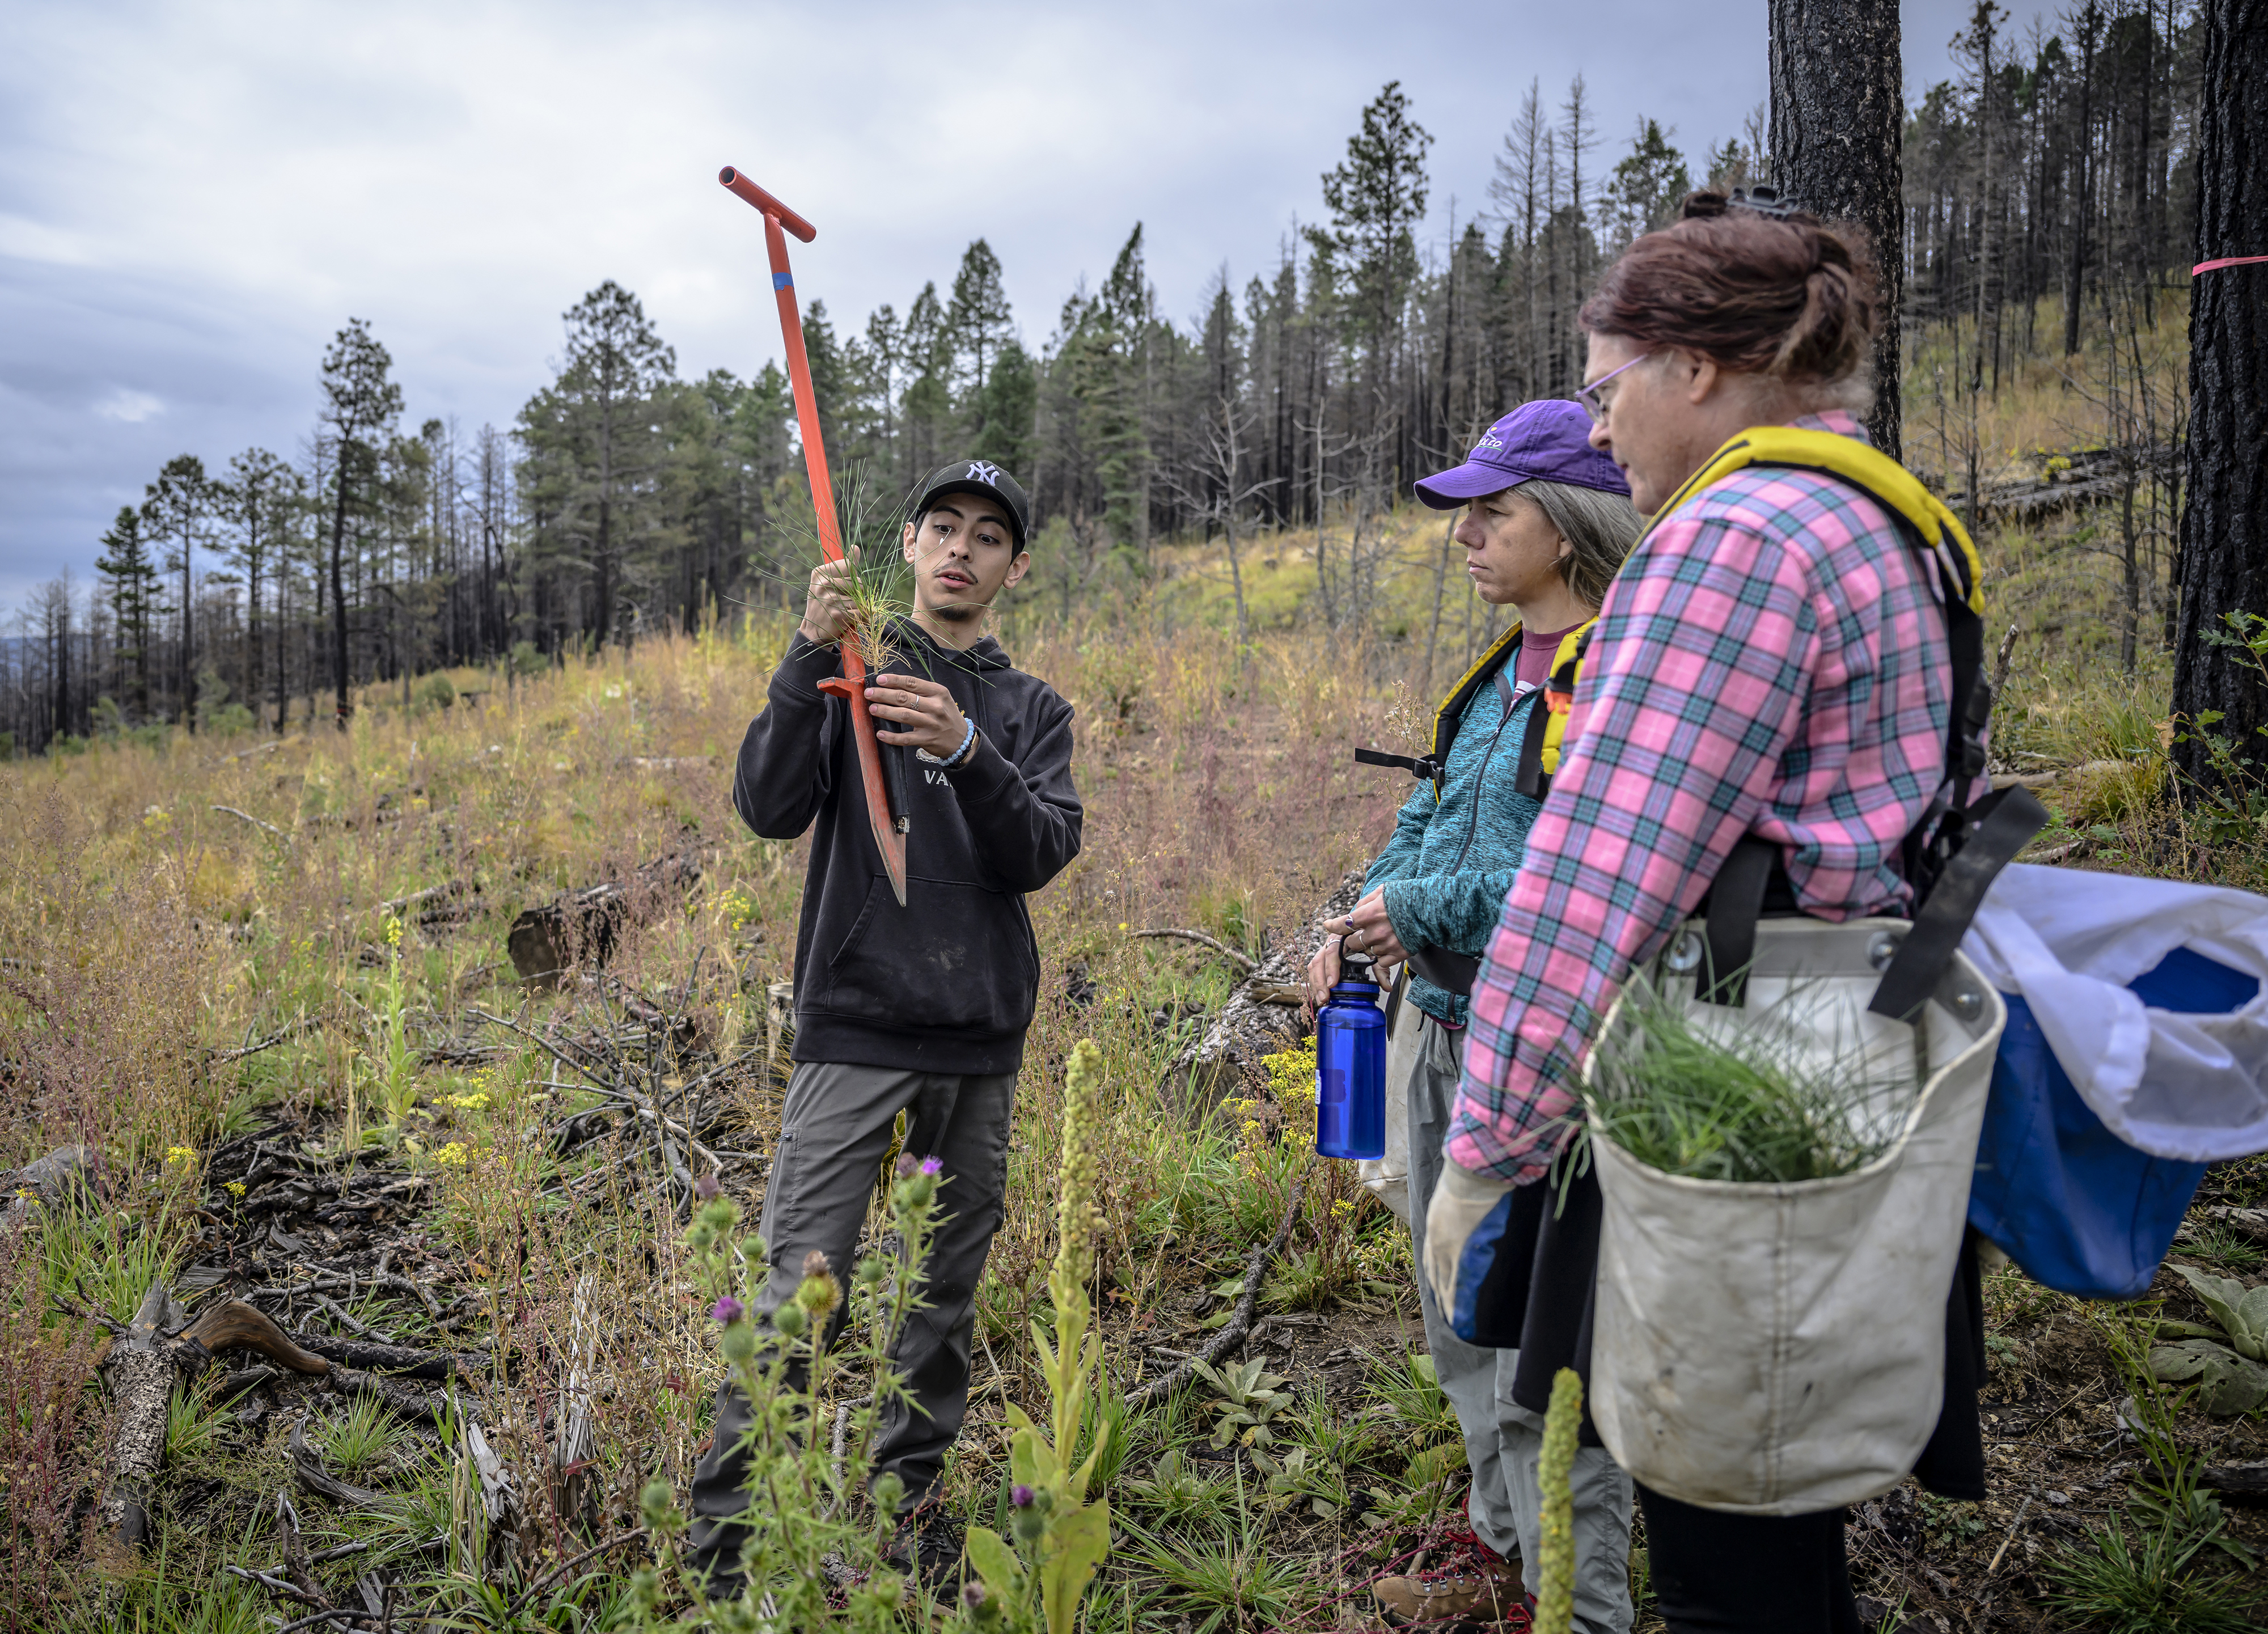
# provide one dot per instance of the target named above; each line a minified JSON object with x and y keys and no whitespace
{"x":1549,"y":521}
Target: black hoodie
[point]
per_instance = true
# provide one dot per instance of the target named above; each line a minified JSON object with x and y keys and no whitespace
{"x":947,"y":983}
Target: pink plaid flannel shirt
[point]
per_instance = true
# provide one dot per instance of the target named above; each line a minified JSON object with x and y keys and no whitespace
{"x":1772,"y":657}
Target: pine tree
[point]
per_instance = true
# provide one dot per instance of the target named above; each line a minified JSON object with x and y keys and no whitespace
{"x":615,"y":363}
{"x":360,"y":405}
{"x":176,"y":507}
{"x":261,"y":501}
{"x":2224,"y":561}
{"x":1648,"y":185}
{"x":130,"y":581}
{"x":978,"y":318}
{"x":1837,"y":117}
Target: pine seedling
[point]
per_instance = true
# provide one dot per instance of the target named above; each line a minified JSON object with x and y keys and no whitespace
{"x":1763,"y":1104}
{"x":1555,"y":1589}
{"x":880,"y":585}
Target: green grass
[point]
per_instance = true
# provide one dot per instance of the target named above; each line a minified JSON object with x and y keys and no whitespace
{"x":361,"y":1440}
{"x":1748,"y":1107}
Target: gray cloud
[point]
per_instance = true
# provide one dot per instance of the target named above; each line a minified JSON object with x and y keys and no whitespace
{"x":193,"y":199}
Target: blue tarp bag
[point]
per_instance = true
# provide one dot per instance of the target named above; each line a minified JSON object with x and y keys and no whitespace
{"x":2079,"y":1209}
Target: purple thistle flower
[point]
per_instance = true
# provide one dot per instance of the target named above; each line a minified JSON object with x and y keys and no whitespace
{"x":932,"y":1167}
{"x":973,"y":1595}
{"x":1020,"y":1496}
{"x":705,"y":1188}
{"x":728,"y":1310}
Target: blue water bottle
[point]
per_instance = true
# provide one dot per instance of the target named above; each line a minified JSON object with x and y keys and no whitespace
{"x":1351,"y":1065}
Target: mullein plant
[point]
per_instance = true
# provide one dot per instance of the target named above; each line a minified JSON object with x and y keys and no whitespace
{"x":1060,"y":1539}
{"x":1555,"y":1564}
{"x":812,"y":1556}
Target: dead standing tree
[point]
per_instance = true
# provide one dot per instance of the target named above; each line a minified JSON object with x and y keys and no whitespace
{"x":1838,"y":113}
{"x":2224,"y":567}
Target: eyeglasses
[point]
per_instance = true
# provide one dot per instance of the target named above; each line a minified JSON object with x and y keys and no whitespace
{"x":1598,"y":407}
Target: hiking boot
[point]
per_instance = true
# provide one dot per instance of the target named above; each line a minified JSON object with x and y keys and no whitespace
{"x":1480,"y":1586}
{"x":927,"y":1546}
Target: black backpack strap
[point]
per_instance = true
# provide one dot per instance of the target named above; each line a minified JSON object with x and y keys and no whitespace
{"x":2005,"y":823}
{"x":1736,"y":899}
{"x":1422,"y":766}
{"x":1530,"y":779}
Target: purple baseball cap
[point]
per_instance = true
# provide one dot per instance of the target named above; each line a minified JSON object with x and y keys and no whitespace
{"x":1548,"y":440}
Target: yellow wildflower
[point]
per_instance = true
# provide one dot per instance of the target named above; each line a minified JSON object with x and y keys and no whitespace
{"x":181,"y":1158}
{"x":235,"y":1188}
{"x":454,"y":1155}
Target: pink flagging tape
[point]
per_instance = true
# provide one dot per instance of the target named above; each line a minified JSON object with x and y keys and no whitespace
{"x":2227,"y":260}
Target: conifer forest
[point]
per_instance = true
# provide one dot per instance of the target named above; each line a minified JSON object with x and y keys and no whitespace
{"x":2049,"y":196}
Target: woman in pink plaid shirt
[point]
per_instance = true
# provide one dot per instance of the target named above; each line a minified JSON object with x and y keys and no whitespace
{"x":1772,"y":661}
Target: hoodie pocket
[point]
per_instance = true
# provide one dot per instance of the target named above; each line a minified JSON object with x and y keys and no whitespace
{"x":955,"y":956}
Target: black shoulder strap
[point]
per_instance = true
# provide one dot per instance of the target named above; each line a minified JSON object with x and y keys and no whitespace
{"x":1422,"y":766}
{"x":2001,"y":825}
{"x":1736,"y":898}
{"x":1530,"y":779}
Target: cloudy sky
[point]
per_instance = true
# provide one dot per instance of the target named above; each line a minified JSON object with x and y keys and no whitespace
{"x":193,"y":198}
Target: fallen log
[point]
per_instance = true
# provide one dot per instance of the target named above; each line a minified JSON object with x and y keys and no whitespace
{"x":2245,"y":1485}
{"x":350,"y":1364}
{"x":234,"y":1324}
{"x":581,"y":927}
{"x":1263,"y":1016}
{"x":141,"y":1371}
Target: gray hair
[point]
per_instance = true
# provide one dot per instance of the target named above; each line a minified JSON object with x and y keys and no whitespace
{"x":1600,"y":527}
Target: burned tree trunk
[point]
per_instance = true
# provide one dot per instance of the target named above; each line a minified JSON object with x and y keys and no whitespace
{"x":2224,"y":557}
{"x":581,"y":927}
{"x":1837,"y":117}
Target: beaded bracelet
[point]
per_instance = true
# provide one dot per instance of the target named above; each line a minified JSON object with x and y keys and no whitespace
{"x":968,"y":742}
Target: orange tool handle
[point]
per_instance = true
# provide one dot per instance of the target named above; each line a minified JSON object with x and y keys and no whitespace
{"x":767,"y":204}
{"x":890,"y":836}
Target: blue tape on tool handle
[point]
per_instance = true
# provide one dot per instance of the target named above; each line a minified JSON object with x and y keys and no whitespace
{"x":783,"y":280}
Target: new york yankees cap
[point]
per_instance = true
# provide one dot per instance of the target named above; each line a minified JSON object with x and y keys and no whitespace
{"x":1548,"y":440}
{"x":978,"y":476}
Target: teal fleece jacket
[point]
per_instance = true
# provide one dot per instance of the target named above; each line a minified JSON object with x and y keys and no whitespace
{"x":1449,"y":866}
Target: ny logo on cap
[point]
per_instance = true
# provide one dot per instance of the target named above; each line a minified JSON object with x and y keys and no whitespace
{"x":983,"y":471}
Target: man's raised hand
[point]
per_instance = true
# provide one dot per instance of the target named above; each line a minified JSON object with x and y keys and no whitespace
{"x":826,"y":612}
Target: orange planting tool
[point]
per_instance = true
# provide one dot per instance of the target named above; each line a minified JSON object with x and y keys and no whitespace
{"x":890,"y":831}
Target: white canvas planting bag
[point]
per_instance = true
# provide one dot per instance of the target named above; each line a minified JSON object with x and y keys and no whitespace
{"x":1774,"y":1349}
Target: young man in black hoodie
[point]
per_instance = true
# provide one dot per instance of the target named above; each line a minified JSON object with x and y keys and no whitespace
{"x":920,"y":1009}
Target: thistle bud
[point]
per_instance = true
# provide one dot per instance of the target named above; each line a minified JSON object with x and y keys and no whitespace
{"x":1020,"y":1496}
{"x":705,"y":1189}
{"x":788,"y":1320}
{"x":728,"y":1310}
{"x":906,"y":1164}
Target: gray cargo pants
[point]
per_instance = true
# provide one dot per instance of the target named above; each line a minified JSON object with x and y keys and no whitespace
{"x":1503,"y":1439}
{"x":832,"y":1135}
